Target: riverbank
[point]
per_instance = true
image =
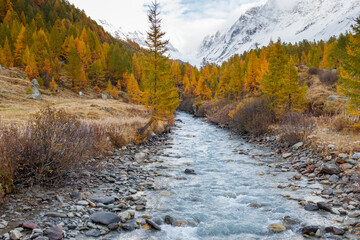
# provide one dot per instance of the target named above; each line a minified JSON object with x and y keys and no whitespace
{"x":324,"y":157}
{"x":105,"y":201}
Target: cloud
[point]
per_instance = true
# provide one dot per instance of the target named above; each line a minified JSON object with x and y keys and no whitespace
{"x":186,"y":22}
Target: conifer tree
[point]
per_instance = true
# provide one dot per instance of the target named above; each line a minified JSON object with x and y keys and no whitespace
{"x":96,"y":73}
{"x":133,"y":89}
{"x":19,"y":47}
{"x":74,"y":68}
{"x":281,"y":82}
{"x":350,"y":71}
{"x":8,"y":59}
{"x":253,"y":73}
{"x":163,"y":97}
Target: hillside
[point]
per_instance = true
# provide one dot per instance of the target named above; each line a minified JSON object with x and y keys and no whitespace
{"x":293,"y":21}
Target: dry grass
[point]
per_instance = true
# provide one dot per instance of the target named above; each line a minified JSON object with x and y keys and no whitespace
{"x":122,"y":121}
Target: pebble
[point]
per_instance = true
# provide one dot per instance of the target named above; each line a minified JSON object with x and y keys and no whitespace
{"x":15,"y":234}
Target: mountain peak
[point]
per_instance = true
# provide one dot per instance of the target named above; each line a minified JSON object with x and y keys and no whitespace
{"x":290,"y":20}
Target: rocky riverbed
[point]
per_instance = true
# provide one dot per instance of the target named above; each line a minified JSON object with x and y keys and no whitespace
{"x":198,"y":182}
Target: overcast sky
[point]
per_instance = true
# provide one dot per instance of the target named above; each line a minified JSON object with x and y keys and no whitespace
{"x":186,"y":22}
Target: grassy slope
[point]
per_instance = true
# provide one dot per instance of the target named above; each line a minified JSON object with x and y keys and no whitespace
{"x":125,"y":118}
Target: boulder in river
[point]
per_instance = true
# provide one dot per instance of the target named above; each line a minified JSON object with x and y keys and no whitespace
{"x":310,"y":230}
{"x":190,"y":171}
{"x":105,"y":218}
{"x":277,"y":228}
{"x":311,"y":207}
{"x":153,"y":224}
{"x":335,"y":230}
{"x":169,"y":220}
{"x":324,"y":206}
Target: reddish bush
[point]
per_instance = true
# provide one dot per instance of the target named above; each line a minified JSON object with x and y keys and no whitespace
{"x":47,"y":149}
{"x":253,"y":116}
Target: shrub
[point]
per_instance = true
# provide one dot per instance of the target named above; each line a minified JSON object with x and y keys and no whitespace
{"x":253,"y":116}
{"x":29,"y":91}
{"x":314,"y":71}
{"x":187,"y":105}
{"x":340,"y":123}
{"x":296,"y":127}
{"x":47,"y":149}
{"x":328,"y":78}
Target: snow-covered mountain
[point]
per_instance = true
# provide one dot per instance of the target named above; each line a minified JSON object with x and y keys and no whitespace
{"x":135,"y":36}
{"x":291,"y":20}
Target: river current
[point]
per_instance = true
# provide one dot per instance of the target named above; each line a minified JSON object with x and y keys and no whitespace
{"x":234,"y":194}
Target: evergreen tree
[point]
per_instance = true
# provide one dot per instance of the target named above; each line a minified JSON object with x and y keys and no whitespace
{"x":281,"y":82}
{"x":350,"y":71}
{"x":19,"y":47}
{"x":74,"y":68}
{"x":162,"y":94}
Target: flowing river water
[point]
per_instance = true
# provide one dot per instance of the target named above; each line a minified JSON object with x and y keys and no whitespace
{"x":232,"y":195}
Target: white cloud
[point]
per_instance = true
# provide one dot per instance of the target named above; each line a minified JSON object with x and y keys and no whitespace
{"x":186,"y":22}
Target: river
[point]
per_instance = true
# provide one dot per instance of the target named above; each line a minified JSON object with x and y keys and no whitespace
{"x":234,"y":194}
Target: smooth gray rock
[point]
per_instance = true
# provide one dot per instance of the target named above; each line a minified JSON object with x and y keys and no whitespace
{"x":108,"y":200}
{"x":105,"y":218}
{"x":311,"y":207}
{"x":55,"y":215}
{"x":54,"y":233}
{"x":36,"y":95}
{"x":190,"y":171}
{"x":92,"y":233}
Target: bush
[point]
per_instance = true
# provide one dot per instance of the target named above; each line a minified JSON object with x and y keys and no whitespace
{"x":47,"y":149}
{"x":295,"y":127}
{"x":314,"y":71}
{"x":253,"y":116}
{"x":187,"y":105}
{"x":328,"y":78}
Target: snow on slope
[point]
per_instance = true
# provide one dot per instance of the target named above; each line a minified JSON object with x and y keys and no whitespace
{"x":136,"y":36}
{"x":291,"y":20}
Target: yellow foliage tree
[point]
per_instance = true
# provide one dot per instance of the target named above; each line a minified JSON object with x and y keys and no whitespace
{"x":19,"y":47}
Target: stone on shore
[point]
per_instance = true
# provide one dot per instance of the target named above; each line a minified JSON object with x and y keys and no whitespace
{"x":330,"y":168}
{"x":54,"y":233}
{"x":105,"y":218}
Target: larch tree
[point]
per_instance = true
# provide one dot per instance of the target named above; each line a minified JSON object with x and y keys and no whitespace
{"x":19,"y":47}
{"x":8,"y":59}
{"x":281,"y":82}
{"x":162,"y":94}
{"x":253,"y":73}
{"x":350,"y":71}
